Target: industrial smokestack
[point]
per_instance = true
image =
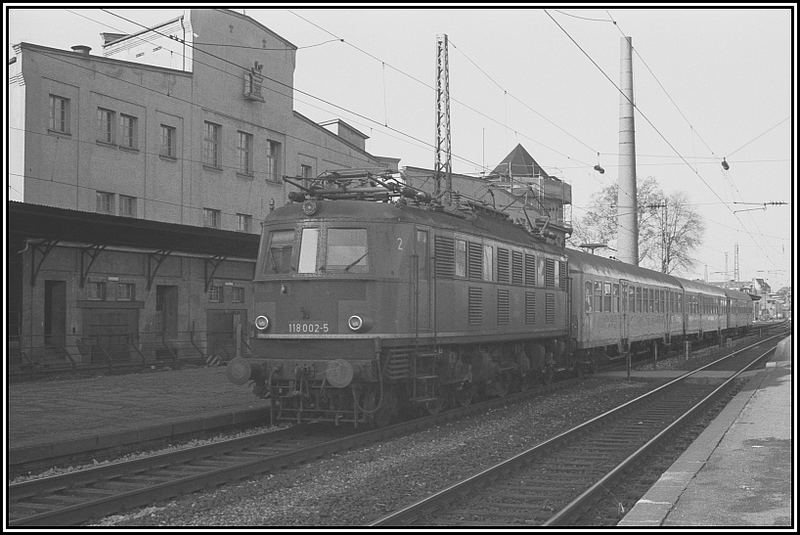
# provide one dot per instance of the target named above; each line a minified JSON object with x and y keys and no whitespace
{"x":627,"y":212}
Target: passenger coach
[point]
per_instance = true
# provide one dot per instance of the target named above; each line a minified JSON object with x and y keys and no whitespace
{"x":618,"y":306}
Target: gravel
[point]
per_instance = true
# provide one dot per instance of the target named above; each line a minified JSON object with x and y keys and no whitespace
{"x":357,"y":487}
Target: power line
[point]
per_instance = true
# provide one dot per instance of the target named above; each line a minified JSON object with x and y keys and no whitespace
{"x":471,"y":108}
{"x":656,"y":130}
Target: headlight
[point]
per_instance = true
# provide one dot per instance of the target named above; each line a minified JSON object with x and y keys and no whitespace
{"x":262,"y":322}
{"x":358,"y":323}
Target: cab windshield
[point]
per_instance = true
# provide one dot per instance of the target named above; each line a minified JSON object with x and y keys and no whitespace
{"x":278,"y":256}
{"x":347,"y":251}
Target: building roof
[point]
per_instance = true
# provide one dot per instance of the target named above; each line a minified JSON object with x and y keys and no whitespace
{"x":35,"y":221}
{"x":521,"y":164}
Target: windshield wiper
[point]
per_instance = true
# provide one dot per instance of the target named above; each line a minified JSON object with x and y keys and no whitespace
{"x":359,"y":259}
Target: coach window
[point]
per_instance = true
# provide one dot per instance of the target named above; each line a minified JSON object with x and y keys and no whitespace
{"x":347,"y":250}
{"x":607,"y":300}
{"x":308,"y":251}
{"x":638,"y":300}
{"x":598,"y":296}
{"x":615,"y":298}
{"x":278,"y":257}
{"x":587,"y":296}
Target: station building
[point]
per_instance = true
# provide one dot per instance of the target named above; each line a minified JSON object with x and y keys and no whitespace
{"x":137,"y":182}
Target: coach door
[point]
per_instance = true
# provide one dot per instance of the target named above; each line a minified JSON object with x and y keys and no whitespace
{"x":624,"y":315}
{"x":421,"y":275}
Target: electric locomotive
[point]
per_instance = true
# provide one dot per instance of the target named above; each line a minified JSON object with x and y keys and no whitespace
{"x":371,"y":298}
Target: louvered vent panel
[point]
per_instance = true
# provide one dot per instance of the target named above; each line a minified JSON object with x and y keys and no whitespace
{"x":445,"y":256}
{"x":549,"y":272}
{"x":503,"y":307}
{"x":475,"y":260}
{"x":475,"y":312}
{"x":530,"y":308}
{"x":516,"y":267}
{"x":562,"y":275}
{"x":503,"y":266}
{"x":550,"y":308}
{"x":530,"y":270}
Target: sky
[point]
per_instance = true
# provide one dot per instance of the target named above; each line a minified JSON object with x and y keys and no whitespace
{"x":709,"y":83}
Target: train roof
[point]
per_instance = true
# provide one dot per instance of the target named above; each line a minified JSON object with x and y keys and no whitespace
{"x":605,"y":267}
{"x":701,"y":287}
{"x":486,"y":225}
{"x":736,"y":294}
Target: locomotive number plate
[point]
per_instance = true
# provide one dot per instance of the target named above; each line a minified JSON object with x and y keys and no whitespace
{"x":314,"y":327}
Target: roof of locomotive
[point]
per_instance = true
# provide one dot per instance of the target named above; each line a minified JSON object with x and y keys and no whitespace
{"x":484,"y":225}
{"x":590,"y":264}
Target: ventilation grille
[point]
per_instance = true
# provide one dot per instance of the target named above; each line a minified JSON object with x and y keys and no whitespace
{"x":562,"y":275}
{"x":549,"y":272}
{"x":550,"y":308}
{"x":530,"y":270}
{"x":445,"y":256}
{"x":503,"y":307}
{"x":503,"y":266}
{"x":475,"y":309}
{"x":475,"y":260}
{"x":516,"y":267}
{"x":530,"y":308}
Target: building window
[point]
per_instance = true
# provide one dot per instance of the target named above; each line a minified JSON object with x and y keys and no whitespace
{"x":127,"y":206}
{"x":215,"y":294}
{"x":244,"y":222}
{"x":126,"y":291}
{"x":96,"y":291}
{"x":273,"y":153}
{"x":168,"y":141}
{"x":211,"y":218}
{"x":59,"y":114}
{"x":105,"y":125}
{"x":211,"y":144}
{"x":237,"y":294}
{"x":105,"y":202}
{"x":128,"y":125}
{"x":245,"y":151}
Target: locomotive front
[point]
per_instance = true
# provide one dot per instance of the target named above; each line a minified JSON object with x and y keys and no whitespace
{"x":327,"y":293}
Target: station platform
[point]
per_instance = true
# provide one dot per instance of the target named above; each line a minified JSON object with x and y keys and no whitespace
{"x":61,"y":417}
{"x":739,"y":472}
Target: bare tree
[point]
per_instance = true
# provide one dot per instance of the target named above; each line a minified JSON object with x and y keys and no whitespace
{"x":669,"y":229}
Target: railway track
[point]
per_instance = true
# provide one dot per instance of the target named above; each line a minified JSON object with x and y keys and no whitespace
{"x":559,"y":480}
{"x":76,"y":497}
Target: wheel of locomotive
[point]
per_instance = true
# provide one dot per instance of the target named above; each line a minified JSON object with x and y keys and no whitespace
{"x":435,"y":406}
{"x":464,"y":395}
{"x":383,"y":415}
{"x":547,"y":375}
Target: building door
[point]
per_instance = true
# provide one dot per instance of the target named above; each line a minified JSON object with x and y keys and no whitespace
{"x":167,"y":311}
{"x":55,"y":313}
{"x":225,"y":328}
{"x":110,"y":333}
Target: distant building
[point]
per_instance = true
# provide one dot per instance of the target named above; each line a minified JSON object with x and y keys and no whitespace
{"x":518,"y":186}
{"x":189,"y":123}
